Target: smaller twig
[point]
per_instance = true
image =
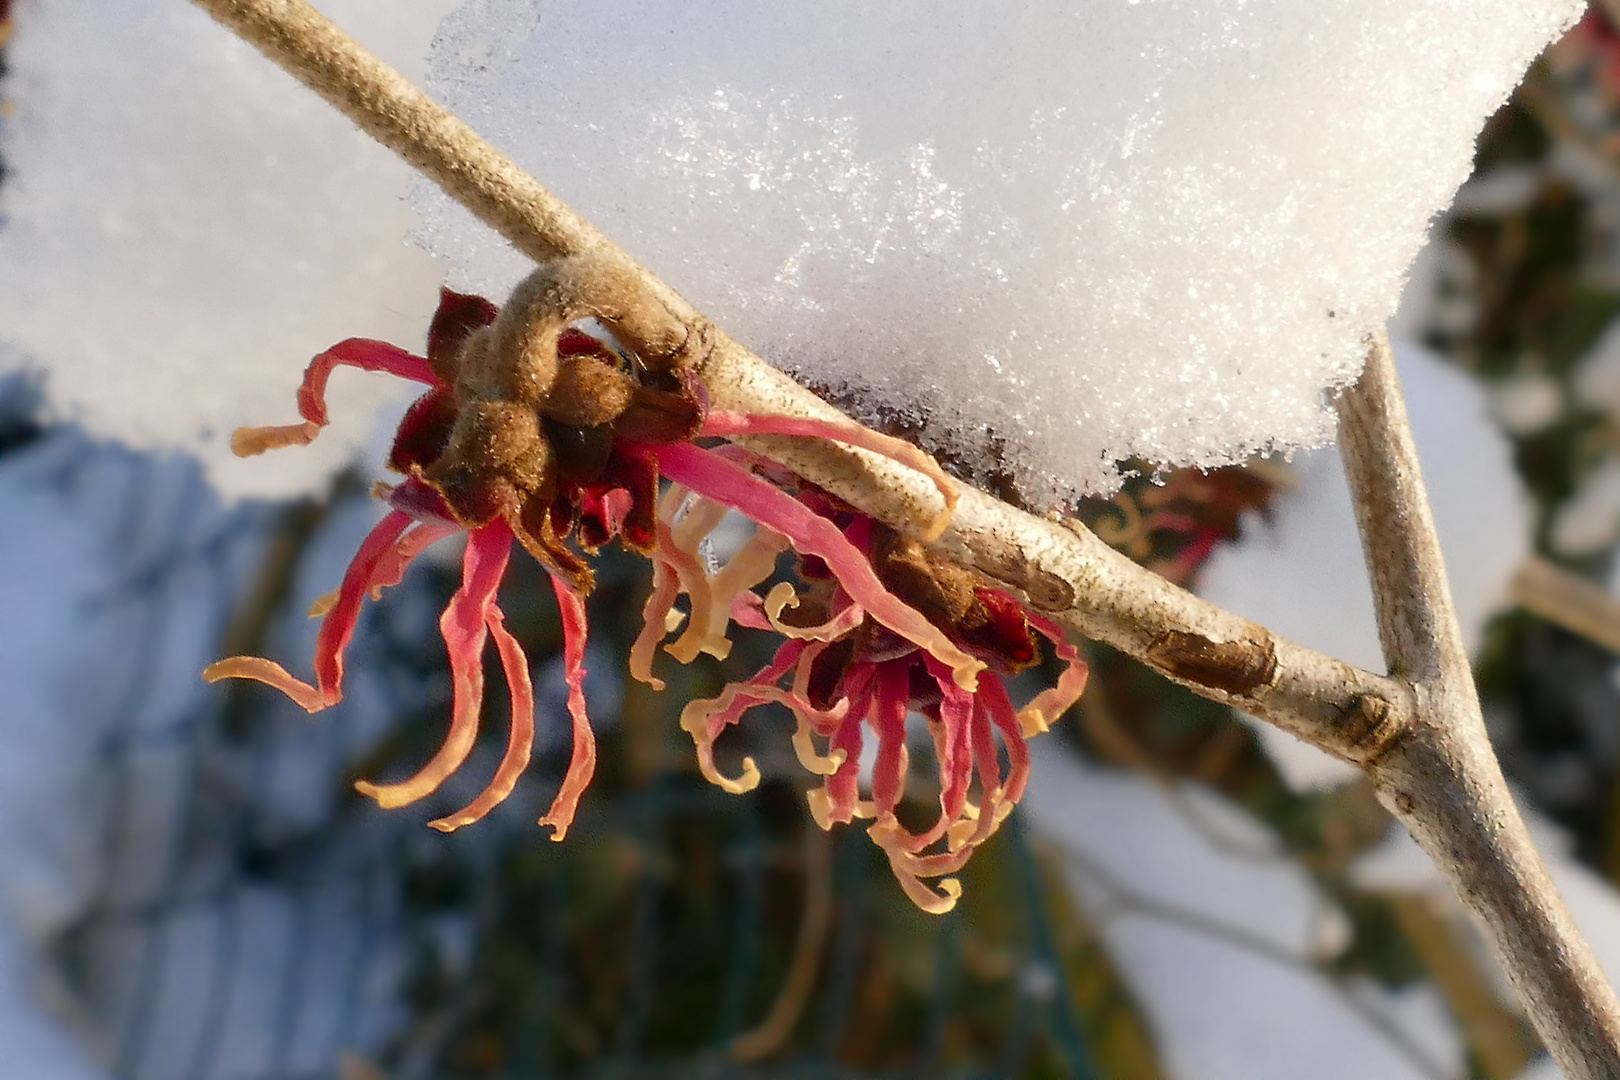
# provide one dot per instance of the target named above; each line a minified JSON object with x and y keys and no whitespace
{"x":1550,"y":592}
{"x":1499,"y":1040}
{"x":766,"y":1039}
{"x":1122,"y":901}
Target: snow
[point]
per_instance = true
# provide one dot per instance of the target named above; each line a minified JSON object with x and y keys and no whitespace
{"x":1303,"y":576}
{"x":58,"y":566}
{"x":1217,"y":932}
{"x":186,"y":228}
{"x":1080,"y":232}
{"x":116,"y":572}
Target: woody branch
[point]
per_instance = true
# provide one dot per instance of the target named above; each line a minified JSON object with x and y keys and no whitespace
{"x":1417,"y":732}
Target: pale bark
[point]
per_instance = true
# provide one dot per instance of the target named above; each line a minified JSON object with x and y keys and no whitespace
{"x":1441,"y":778}
{"x":1416,"y":731}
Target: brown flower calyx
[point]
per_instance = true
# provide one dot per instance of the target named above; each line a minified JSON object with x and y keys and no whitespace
{"x":530,"y":409}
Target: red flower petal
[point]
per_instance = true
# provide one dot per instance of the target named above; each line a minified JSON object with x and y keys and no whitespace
{"x":727,"y":424}
{"x":582,"y":765}
{"x":459,"y":314}
{"x":463,"y":624}
{"x":363,"y":353}
{"x":337,"y":629}
{"x":718,"y":479}
{"x":519,"y":743}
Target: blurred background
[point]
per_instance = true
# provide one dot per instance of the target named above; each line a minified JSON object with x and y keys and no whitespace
{"x":190,"y":889}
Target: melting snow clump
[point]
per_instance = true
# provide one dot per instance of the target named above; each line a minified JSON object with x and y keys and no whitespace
{"x":1058,"y":233}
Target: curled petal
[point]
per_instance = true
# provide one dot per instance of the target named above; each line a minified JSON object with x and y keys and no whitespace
{"x":727,"y":424}
{"x":696,"y":722}
{"x":1052,"y":702}
{"x":361,"y":353}
{"x":717,"y":479}
{"x":706,"y":720}
{"x":655,"y":626}
{"x":582,"y":765}
{"x":257,"y":668}
{"x":782,"y":595}
{"x":336,"y":631}
{"x":463,"y":625}
{"x":890,"y":836}
{"x":519,"y":743}
{"x":754,"y":561}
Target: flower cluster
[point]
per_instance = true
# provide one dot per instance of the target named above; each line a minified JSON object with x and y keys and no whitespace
{"x":885,"y":629}
{"x":532,"y":430}
{"x":1172,"y":522}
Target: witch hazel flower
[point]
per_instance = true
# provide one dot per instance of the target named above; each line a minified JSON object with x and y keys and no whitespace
{"x":884,"y":630}
{"x":531,"y":430}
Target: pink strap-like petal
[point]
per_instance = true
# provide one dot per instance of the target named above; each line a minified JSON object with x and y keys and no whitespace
{"x":390,"y":569}
{"x":1054,"y":701}
{"x":363,"y":353}
{"x":889,"y":717}
{"x":843,"y":787}
{"x":337,"y":630}
{"x":463,"y":625}
{"x":953,"y":733}
{"x":715,"y":478}
{"x":726,"y":424}
{"x":999,"y":708}
{"x":519,"y":744}
{"x":582,"y":766}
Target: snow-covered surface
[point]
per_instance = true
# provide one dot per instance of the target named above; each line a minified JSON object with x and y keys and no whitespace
{"x":115,"y":573}
{"x":1304,"y":576}
{"x":1217,"y":931}
{"x":185,"y":226}
{"x":55,"y":664}
{"x":1083,"y":231}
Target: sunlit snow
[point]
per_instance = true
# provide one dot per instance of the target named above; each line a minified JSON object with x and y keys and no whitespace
{"x":1067,"y":233}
